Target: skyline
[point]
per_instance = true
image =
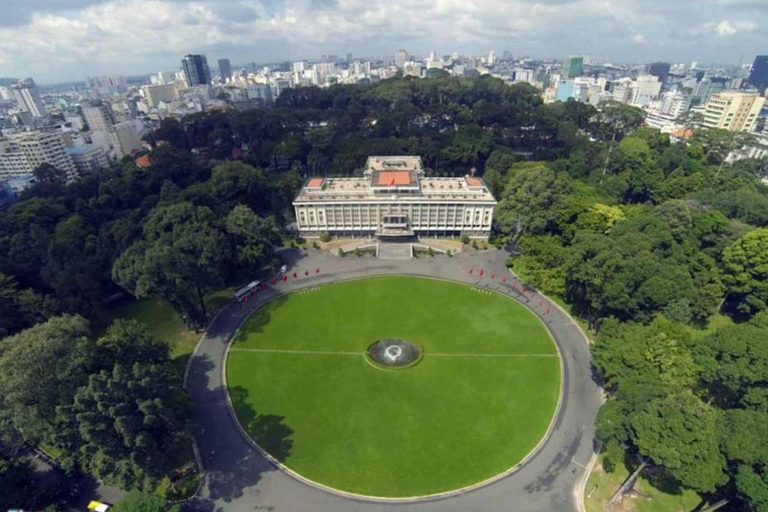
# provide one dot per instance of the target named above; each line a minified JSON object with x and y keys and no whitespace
{"x":65,"y":41}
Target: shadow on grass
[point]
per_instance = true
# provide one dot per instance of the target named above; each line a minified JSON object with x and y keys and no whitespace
{"x":268,"y":430}
{"x":233,"y":468}
{"x":658,"y":478}
{"x":259,"y":319}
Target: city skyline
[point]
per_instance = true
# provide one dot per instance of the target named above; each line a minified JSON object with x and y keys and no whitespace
{"x":65,"y":41}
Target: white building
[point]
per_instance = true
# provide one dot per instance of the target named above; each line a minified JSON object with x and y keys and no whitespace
{"x":98,"y":115}
{"x":88,"y":158}
{"x":261,"y":92}
{"x":395,"y":199}
{"x":36,"y":148}
{"x":675,"y":104}
{"x":13,"y":163}
{"x":154,"y":94}
{"x":28,"y":97}
{"x":124,"y":139}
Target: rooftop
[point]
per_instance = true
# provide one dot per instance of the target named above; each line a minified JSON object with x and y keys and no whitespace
{"x":360,"y":189}
{"x":389,"y":178}
{"x":394,"y":178}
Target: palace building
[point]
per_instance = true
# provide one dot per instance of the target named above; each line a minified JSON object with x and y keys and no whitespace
{"x":394,"y":199}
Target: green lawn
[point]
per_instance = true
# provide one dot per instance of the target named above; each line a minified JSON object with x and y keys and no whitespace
{"x":162,"y":322}
{"x":601,"y":486}
{"x":478,"y":402}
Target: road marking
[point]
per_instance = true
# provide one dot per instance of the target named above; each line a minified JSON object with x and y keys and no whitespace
{"x":344,"y":353}
{"x":578,"y":464}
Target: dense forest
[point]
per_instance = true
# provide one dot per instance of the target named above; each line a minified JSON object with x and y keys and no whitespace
{"x":648,"y":240}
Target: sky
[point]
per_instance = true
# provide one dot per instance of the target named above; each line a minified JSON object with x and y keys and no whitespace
{"x":65,"y":40}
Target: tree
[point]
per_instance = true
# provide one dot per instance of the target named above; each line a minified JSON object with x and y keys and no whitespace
{"x":680,"y":432}
{"x":127,"y":342}
{"x":50,"y":175}
{"x":124,"y":424}
{"x":137,"y":502}
{"x":254,"y":237}
{"x":40,"y":370}
{"x":180,"y":257}
{"x":532,"y":200}
{"x":732,"y":361}
{"x":18,"y":488}
{"x":745,"y":265}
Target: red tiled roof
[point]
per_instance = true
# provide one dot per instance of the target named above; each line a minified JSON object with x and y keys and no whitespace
{"x":474,"y":182}
{"x":143,"y":161}
{"x":392,"y":178}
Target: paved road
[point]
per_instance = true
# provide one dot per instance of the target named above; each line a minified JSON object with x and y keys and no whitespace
{"x":239,"y":479}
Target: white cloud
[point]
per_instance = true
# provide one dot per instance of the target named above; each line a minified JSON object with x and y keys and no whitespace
{"x":724,"y":28}
{"x":124,"y":36}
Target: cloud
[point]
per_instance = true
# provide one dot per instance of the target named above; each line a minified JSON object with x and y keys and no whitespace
{"x":724,"y":28}
{"x":56,"y":40}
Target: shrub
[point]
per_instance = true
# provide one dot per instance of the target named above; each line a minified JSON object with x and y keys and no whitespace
{"x":341,"y":252}
{"x":325,"y":237}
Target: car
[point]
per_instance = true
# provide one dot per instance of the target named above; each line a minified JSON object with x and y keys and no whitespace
{"x":284,"y":269}
{"x":97,"y":506}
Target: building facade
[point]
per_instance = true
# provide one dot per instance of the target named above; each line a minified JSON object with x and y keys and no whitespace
{"x":39,"y":148}
{"x":28,"y":97}
{"x":733,"y":111}
{"x":758,"y":75}
{"x":196,"y":70}
{"x":225,"y":70}
{"x":394,"y":199}
{"x":154,"y":94}
{"x":89,"y":158}
{"x":99,"y":116}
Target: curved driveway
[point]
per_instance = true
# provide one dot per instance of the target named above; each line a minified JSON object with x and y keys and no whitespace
{"x":238,"y":479}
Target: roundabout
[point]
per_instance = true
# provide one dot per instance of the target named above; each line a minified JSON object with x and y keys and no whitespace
{"x":475,"y":385}
{"x":239,"y":476}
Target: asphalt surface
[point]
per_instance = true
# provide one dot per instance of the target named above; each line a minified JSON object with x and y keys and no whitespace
{"x":238,"y":479}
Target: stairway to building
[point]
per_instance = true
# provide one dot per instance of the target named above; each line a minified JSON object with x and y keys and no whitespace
{"x":395,"y":250}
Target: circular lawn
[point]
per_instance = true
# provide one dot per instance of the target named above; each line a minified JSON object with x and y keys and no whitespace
{"x":479,"y":399}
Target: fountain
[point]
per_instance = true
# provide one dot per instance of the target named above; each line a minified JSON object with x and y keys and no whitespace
{"x":393,"y":353}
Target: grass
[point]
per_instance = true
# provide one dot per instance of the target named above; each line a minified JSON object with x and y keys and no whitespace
{"x":161,"y":321}
{"x":451,"y":421}
{"x":714,"y":323}
{"x":601,"y":486}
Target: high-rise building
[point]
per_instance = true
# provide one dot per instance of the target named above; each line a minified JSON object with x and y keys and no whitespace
{"x":42,"y":147}
{"x":733,"y":111}
{"x":575,"y":67}
{"x":154,"y":94}
{"x":89,"y":158}
{"x":225,"y":69}
{"x":758,"y":77}
{"x":661,"y":70}
{"x":400,"y":58}
{"x":491,"y":58}
{"x":124,"y":138}
{"x":705,"y":88}
{"x":261,"y":92}
{"x":29,"y":97}
{"x":675,"y":104}
{"x":196,"y":70}
{"x":98,"y":115}
{"x":106,"y":85}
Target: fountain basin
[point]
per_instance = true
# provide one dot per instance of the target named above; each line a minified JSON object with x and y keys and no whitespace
{"x":393,"y":354}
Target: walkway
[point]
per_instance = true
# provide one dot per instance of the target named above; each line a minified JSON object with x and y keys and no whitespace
{"x":238,"y":479}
